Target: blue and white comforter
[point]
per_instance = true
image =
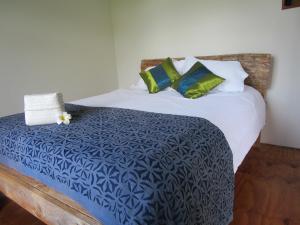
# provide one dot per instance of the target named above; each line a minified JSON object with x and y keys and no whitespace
{"x":128,"y":167}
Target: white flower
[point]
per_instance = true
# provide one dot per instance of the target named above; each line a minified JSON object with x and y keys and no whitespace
{"x":64,"y":118}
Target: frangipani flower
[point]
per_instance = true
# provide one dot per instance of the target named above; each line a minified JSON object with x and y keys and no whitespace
{"x":64,"y":118}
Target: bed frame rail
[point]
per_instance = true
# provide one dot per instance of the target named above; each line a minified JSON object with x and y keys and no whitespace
{"x":49,"y":206}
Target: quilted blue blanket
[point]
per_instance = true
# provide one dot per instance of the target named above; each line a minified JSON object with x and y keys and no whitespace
{"x":128,"y":167}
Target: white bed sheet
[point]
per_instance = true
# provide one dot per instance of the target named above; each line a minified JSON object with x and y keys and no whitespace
{"x":240,"y":116}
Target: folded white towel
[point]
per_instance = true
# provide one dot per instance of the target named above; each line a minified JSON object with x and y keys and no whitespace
{"x":43,"y":101}
{"x":43,"y":109}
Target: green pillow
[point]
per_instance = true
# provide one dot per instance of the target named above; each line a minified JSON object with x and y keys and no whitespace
{"x":161,"y":76}
{"x":197,"y":81}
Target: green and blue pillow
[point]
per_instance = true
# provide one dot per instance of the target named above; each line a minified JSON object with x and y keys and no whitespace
{"x":197,"y":82}
{"x":161,"y":76}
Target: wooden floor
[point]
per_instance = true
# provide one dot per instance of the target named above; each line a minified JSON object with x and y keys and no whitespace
{"x":268,"y":187}
{"x":12,"y":214}
{"x":267,"y":191}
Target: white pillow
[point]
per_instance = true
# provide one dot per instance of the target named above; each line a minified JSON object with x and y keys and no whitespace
{"x":232,"y":71}
{"x":178,"y":64}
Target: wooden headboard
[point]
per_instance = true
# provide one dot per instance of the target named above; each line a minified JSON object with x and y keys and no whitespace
{"x":258,"y":66}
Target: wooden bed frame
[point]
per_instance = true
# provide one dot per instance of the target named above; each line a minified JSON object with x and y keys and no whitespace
{"x":54,"y":208}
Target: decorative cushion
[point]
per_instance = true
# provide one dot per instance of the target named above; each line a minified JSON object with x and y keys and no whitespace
{"x":161,"y":76}
{"x":140,"y":84}
{"x":197,"y":81}
{"x":231,"y":71}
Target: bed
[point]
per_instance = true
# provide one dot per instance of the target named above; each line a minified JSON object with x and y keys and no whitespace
{"x":55,"y":208}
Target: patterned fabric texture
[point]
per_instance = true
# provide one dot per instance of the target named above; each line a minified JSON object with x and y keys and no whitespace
{"x":128,"y":167}
{"x":197,"y":82}
{"x":161,"y":76}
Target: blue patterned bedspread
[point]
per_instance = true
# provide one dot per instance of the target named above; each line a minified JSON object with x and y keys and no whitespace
{"x":128,"y":167}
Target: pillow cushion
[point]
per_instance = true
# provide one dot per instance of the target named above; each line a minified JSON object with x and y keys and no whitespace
{"x":140,"y":84}
{"x":197,"y":81}
{"x":161,"y":76}
{"x":231,"y":71}
{"x":179,"y":64}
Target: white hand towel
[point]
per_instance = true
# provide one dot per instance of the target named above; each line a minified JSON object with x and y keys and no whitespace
{"x":43,"y":109}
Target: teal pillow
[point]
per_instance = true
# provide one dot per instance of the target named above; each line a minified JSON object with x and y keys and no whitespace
{"x":161,"y":76}
{"x":197,"y":82}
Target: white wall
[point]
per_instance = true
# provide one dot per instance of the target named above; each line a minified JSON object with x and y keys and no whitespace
{"x":54,"y":45}
{"x":161,"y":28}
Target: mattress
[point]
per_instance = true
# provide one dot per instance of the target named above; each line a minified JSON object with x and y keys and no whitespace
{"x":240,"y":115}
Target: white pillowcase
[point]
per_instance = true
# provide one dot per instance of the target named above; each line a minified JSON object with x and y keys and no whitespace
{"x":178,"y":64}
{"x":231,"y":71}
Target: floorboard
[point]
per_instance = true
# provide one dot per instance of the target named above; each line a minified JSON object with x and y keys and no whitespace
{"x":267,"y":191}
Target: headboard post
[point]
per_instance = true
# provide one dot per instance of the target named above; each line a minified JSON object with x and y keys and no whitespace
{"x":258,"y":66}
